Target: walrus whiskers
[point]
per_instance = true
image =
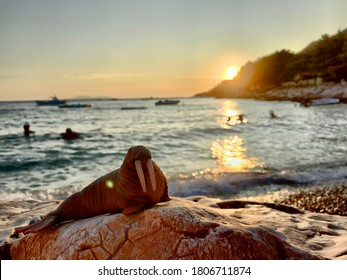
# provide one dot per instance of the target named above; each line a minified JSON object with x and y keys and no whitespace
{"x":122,"y":190}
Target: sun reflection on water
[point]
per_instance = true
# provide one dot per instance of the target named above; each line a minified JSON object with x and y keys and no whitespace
{"x":231,"y":155}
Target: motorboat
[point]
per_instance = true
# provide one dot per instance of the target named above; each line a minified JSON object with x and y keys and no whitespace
{"x":167,"y":102}
{"x":133,"y":108}
{"x":54,"y":101}
{"x":321,"y":101}
{"x":76,"y":105}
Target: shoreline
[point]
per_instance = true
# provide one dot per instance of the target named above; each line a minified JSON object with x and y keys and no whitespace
{"x":329,"y":198}
{"x":307,"y":93}
{"x":284,"y":93}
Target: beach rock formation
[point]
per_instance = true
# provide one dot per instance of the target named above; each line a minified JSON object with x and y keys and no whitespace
{"x":196,"y":228}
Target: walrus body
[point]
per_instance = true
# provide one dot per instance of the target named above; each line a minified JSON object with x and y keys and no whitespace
{"x":123,"y":190}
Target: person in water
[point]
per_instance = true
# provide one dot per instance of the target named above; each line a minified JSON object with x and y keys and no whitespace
{"x":69,"y":134}
{"x":27,"y":130}
{"x":272,"y":115}
{"x":240,"y":119}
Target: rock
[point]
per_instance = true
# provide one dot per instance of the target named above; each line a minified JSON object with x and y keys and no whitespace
{"x":184,"y":229}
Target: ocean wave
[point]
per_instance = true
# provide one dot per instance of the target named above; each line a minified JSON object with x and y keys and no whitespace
{"x":226,"y":185}
{"x":27,"y":165}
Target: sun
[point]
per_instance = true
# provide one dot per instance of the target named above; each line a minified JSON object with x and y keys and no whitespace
{"x":232,"y":72}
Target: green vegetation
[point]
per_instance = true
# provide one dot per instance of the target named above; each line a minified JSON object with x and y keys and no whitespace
{"x":325,"y":59}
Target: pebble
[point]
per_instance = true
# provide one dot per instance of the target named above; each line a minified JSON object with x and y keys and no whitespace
{"x":326,"y":199}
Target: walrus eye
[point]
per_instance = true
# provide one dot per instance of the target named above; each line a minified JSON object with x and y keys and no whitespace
{"x":151,"y":174}
{"x":140,"y":174}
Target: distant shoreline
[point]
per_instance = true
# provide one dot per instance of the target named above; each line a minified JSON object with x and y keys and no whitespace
{"x":286,"y":93}
{"x":100,"y":99}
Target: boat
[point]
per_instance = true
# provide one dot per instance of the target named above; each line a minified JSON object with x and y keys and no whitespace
{"x":321,"y":101}
{"x":53,"y":102}
{"x":133,"y":108}
{"x":76,"y":105}
{"x":167,"y":102}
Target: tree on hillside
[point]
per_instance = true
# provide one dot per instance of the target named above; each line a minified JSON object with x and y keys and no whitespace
{"x":329,"y":56}
{"x":338,"y":71}
{"x":271,"y":71}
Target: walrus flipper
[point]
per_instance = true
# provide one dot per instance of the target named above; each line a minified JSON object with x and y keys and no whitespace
{"x":133,"y":208}
{"x":38,"y":226}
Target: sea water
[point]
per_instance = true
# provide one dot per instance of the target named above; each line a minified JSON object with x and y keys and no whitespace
{"x":200,"y":145}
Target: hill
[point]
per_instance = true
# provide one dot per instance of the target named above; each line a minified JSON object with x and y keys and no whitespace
{"x":323,"y":60}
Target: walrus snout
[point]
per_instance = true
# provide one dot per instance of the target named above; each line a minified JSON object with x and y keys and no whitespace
{"x":140,"y":174}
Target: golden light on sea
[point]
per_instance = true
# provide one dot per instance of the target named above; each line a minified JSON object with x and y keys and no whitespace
{"x":231,"y":155}
{"x":228,"y":114}
{"x":231,"y":72}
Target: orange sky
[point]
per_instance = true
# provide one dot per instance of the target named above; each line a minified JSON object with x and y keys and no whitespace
{"x":155,"y":48}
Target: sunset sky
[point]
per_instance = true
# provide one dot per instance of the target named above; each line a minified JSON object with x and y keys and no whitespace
{"x":152,"y":48}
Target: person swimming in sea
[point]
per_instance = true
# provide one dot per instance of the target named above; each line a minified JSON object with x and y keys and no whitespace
{"x":272,"y":114}
{"x":240,"y":118}
{"x":69,"y":134}
{"x":27,"y":130}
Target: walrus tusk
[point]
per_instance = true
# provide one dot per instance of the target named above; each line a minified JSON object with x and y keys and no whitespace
{"x":140,"y":174}
{"x":151,"y":174}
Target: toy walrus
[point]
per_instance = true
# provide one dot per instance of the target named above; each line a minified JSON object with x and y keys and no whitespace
{"x":137,"y":184}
